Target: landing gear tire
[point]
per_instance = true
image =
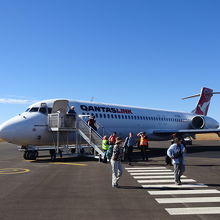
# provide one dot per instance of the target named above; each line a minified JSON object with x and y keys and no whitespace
{"x":30,"y":155}
{"x":25,"y":155}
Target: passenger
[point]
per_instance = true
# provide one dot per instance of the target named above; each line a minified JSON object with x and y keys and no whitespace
{"x":128,"y":145}
{"x":116,"y":162}
{"x":112,"y":138}
{"x":168,"y":160}
{"x":71,"y":111}
{"x":71,"y":118}
{"x":143,"y":145}
{"x":177,"y":153}
{"x":91,"y":122}
{"x":105,"y":147}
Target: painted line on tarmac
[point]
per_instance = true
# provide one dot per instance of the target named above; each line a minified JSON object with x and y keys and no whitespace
{"x":149,"y":171}
{"x":156,"y":177}
{"x":7,"y":171}
{"x":165,"y":181}
{"x":188,"y":200}
{"x":72,"y":164}
{"x":157,"y":173}
{"x":172,"y":186}
{"x":193,"y":211}
{"x":184,"y":192}
{"x":145,"y":168}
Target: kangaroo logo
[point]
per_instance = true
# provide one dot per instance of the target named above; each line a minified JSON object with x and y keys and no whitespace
{"x":204,"y":101}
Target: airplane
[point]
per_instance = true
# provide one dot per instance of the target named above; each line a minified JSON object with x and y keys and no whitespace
{"x":30,"y":128}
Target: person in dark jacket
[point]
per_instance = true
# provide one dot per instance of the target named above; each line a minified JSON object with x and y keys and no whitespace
{"x":128,"y":146}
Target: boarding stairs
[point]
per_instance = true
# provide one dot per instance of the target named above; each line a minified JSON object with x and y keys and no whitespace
{"x":61,"y":124}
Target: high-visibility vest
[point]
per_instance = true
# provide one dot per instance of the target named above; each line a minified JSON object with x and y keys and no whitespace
{"x":105,"y":144}
{"x":143,"y":141}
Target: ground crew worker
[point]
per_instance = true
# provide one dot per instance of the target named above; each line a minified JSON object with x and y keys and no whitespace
{"x":143,"y":145}
{"x":105,"y":147}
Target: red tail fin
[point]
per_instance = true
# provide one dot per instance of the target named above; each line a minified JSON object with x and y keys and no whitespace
{"x":204,"y":101}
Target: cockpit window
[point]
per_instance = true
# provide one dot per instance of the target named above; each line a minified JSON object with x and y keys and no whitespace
{"x":43,"y":110}
{"x":34,"y":109}
{"x":27,"y":110}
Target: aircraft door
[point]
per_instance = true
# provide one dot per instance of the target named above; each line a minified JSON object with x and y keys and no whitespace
{"x":61,"y":106}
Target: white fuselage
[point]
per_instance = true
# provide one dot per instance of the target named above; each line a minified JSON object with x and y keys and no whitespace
{"x":31,"y":127}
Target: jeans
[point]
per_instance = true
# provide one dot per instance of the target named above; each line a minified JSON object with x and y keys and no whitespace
{"x":116,"y":171}
{"x":178,"y":172}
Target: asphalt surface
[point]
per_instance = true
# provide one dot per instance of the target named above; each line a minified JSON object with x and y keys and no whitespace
{"x":80,"y":189}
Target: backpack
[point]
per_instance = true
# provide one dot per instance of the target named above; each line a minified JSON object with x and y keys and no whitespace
{"x":109,"y":152}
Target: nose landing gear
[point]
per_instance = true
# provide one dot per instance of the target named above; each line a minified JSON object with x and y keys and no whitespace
{"x":30,"y":155}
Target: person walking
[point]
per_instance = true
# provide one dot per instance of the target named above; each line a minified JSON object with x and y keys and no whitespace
{"x":105,"y":147}
{"x":177,"y":153}
{"x":143,"y":145}
{"x":128,"y":145}
{"x":116,"y":162}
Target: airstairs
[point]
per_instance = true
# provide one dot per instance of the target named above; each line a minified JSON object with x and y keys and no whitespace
{"x":61,"y":125}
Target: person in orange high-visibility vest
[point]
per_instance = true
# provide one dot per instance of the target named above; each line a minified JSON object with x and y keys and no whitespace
{"x":143,"y":145}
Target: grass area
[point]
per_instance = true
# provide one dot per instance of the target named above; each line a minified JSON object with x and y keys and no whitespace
{"x":207,"y":137}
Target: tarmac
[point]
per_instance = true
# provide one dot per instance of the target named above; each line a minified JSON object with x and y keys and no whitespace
{"x":81,"y":189}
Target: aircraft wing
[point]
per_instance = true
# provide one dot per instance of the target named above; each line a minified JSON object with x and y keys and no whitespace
{"x":186,"y":131}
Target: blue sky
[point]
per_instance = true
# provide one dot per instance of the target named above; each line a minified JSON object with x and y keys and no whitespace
{"x":147,"y":53}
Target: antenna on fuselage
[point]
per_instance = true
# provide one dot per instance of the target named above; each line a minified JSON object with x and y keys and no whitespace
{"x":92,"y":99}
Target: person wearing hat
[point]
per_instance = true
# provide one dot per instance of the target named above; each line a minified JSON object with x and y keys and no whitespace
{"x":116,"y":162}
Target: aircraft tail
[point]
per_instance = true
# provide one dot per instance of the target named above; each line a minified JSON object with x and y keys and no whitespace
{"x":204,"y":101}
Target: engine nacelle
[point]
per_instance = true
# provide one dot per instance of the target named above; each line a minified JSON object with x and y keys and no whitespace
{"x":200,"y":122}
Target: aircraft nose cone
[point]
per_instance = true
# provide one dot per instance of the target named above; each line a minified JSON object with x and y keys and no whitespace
{"x":5,"y":131}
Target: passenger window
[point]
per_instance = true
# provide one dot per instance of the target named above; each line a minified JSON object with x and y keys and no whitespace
{"x":131,"y":117}
{"x":104,"y":115}
{"x":135,"y":117}
{"x":138,"y":117}
{"x":128,"y":116}
{"x":108,"y":115}
{"x":100,"y":115}
{"x":96,"y":115}
{"x":119,"y":116}
{"x":112,"y":116}
{"x":115,"y":116}
{"x":125,"y":116}
{"x":122,"y":116}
